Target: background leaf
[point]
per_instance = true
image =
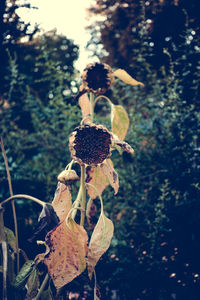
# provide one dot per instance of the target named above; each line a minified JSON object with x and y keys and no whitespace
{"x":125,"y":77}
{"x":67,"y":250}
{"x":99,"y":242}
{"x":62,"y":202}
{"x":119,"y":121}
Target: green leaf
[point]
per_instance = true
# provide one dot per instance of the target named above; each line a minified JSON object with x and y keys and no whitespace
{"x":23,"y":274}
{"x":126,"y":78}
{"x":119,"y":121}
{"x":99,"y":242}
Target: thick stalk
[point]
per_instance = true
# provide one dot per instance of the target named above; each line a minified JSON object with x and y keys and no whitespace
{"x":12,"y":203}
{"x":92,"y":106}
{"x":77,"y":203}
{"x":83,"y":202}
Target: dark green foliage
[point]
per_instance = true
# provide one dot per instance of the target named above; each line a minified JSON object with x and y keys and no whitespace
{"x":156,"y":211}
{"x":155,"y":250}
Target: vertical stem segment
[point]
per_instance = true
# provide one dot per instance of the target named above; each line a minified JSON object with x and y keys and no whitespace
{"x":12,"y":203}
{"x":92,"y":106}
{"x":83,"y":202}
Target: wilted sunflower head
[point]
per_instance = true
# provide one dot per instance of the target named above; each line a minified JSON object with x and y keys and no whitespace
{"x":97,"y":78}
{"x":90,"y":144}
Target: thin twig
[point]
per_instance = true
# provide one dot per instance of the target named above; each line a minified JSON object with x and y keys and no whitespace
{"x":12,"y":203}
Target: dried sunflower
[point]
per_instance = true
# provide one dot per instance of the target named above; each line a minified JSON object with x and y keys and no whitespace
{"x":97,"y":78}
{"x":92,"y":144}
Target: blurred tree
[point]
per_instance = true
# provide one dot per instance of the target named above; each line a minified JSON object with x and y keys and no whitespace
{"x":122,"y":21}
{"x":12,"y":30}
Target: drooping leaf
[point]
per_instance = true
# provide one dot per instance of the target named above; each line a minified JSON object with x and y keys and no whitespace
{"x":96,"y":177}
{"x":62,"y":202}
{"x":65,"y":259}
{"x":119,"y":121}
{"x":108,"y":170}
{"x":99,"y":242}
{"x":47,"y":220}
{"x":125,"y":77}
{"x":84,"y":104}
{"x":32,"y":285}
{"x":24,"y":273}
{"x":100,"y":177}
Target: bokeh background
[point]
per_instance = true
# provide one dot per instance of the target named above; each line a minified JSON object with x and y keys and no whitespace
{"x":154,"y":254}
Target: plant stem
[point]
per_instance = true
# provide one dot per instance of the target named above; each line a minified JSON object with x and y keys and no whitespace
{"x":42,"y":287}
{"x":92,"y":106}
{"x":83,"y":202}
{"x":104,"y":97}
{"x":23,"y":196}
{"x":77,"y":202}
{"x":5,"y":266}
{"x":12,"y":203}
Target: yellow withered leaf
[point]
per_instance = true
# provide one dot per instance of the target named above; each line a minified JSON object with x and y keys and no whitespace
{"x":119,"y":121}
{"x":126,"y":78}
{"x":62,"y":202}
{"x":100,"y":177}
{"x":65,"y":258}
{"x":108,"y":171}
{"x":96,"y":177}
{"x":99,"y":242}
